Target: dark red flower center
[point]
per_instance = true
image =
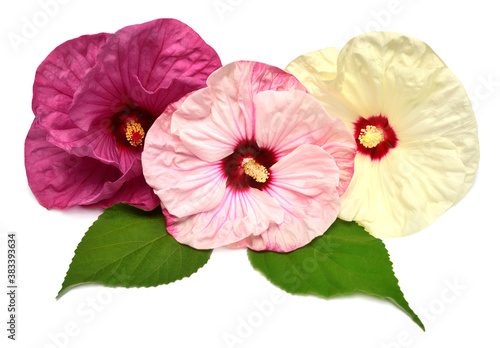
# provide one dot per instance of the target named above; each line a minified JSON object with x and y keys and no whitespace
{"x":130,"y":126}
{"x":248,"y":166}
{"x":374,"y":136}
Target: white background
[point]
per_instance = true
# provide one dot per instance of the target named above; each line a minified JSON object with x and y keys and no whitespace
{"x":448,"y":272}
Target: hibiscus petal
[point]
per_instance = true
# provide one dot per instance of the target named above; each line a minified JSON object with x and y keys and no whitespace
{"x":149,"y":66}
{"x":240,"y":214}
{"x":318,"y":72}
{"x":416,"y":183}
{"x":304,"y":185}
{"x":314,"y":68}
{"x":58,"y":77}
{"x":185,"y":184}
{"x":100,"y":143}
{"x":204,"y":134}
{"x":59,"y":179}
{"x":286,"y":120}
{"x":422,"y":114}
{"x":56,"y":81}
{"x":232,"y":114}
{"x":340,"y":144}
{"x":134,"y":191}
{"x":241,"y":82}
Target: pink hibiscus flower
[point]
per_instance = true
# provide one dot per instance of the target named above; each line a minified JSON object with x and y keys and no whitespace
{"x":251,"y":160}
{"x":95,"y":98}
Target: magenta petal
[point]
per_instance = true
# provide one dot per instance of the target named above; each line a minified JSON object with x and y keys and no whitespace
{"x":56,"y":81}
{"x":148,"y":66}
{"x":59,"y":179}
{"x":58,"y":77}
{"x":133,"y":191}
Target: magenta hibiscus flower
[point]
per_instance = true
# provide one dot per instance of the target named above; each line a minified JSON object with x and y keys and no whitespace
{"x":95,"y":97}
{"x":250,"y":161}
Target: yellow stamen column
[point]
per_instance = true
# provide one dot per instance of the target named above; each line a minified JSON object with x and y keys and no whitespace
{"x":134,"y":133}
{"x":371,"y":136}
{"x":257,"y":171}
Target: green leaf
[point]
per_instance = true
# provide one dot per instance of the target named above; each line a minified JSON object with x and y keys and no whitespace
{"x":130,"y":247}
{"x":344,"y":260}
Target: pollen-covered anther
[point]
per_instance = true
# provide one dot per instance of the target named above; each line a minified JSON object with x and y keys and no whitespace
{"x":134,"y":133}
{"x":371,"y":136}
{"x":257,"y":171}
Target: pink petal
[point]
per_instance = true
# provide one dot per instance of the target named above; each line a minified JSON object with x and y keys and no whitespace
{"x":149,"y":66}
{"x":242,"y":81}
{"x":214,"y":133}
{"x":304,"y":185}
{"x":286,"y":120}
{"x":241,"y":214}
{"x":209,"y":139}
{"x":185,"y":184}
{"x":235,"y":86}
{"x":59,"y":179}
{"x":340,"y":144}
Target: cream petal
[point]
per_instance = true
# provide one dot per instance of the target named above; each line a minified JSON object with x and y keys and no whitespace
{"x":435,"y":105}
{"x":407,"y":190}
{"x":317,"y":72}
{"x":314,"y":68}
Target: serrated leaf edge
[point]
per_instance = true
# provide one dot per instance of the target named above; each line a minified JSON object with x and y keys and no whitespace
{"x":64,"y":290}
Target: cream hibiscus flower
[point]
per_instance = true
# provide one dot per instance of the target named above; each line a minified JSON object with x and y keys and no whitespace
{"x":418,"y":149}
